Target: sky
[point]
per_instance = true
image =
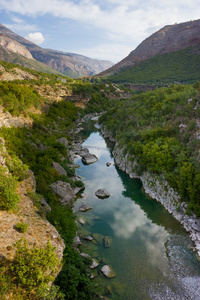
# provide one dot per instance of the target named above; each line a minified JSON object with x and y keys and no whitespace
{"x":102,"y":29}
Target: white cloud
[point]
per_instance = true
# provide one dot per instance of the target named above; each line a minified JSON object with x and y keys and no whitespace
{"x":17,"y":20}
{"x":132,"y":18}
{"x":35,"y":37}
{"x":20,"y":26}
{"x":126,"y":22}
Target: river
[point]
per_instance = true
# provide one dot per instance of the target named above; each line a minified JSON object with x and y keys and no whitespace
{"x":150,"y":252}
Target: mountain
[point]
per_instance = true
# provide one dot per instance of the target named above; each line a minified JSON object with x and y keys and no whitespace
{"x":14,"y":52}
{"x":69,"y":64}
{"x":168,"y":40}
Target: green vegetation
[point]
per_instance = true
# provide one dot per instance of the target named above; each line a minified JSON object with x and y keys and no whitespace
{"x":180,"y":66}
{"x":28,"y":275}
{"x":36,"y":148}
{"x":8,"y":194}
{"x":21,"y":227}
{"x":16,"y":98}
{"x":159,"y":130}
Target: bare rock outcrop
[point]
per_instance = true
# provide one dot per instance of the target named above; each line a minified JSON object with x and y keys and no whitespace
{"x":39,"y":230}
{"x":64,"y":190}
{"x":7,"y":120}
{"x":59,"y":168}
{"x":10,"y":44}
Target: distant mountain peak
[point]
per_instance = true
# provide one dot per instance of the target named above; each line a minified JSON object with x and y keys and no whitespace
{"x":70,"y":64}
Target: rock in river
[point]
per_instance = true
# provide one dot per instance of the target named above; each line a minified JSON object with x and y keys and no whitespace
{"x":94,"y":264}
{"x":108,"y":272}
{"x":102,"y":193}
{"x":89,"y":158}
{"x":107,"y":241}
{"x":88,"y":238}
{"x":82,"y":221}
{"x":84,"y":208}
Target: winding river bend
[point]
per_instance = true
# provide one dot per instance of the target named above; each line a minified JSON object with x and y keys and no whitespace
{"x":150,"y":252}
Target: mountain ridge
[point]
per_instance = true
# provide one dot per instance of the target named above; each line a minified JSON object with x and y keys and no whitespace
{"x":170,"y":38}
{"x":69,"y":64}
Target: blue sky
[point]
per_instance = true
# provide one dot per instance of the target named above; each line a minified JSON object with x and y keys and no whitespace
{"x":100,"y":29}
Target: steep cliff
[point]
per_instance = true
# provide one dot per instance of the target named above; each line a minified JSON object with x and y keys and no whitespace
{"x":12,"y":45}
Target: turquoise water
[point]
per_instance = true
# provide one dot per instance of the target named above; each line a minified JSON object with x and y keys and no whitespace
{"x":150,"y":252}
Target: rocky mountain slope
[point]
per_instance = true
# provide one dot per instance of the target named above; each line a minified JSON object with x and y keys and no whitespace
{"x":70,"y":64}
{"x":169,"y":39}
{"x":11,"y":45}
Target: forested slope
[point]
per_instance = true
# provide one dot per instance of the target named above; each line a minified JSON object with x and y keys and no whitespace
{"x":180,"y":66}
{"x":161,"y":131}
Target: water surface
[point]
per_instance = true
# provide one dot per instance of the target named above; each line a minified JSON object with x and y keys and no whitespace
{"x":150,"y":251}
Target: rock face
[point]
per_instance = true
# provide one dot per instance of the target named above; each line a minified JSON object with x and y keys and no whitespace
{"x":12,"y":45}
{"x":7,"y":120}
{"x":168,"y":39}
{"x":64,"y":190}
{"x":102,"y":194}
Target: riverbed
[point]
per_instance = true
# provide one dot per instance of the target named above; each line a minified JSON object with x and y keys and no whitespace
{"x":149,"y":250}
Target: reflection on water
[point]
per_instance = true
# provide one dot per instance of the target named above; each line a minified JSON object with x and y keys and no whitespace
{"x":150,"y":251}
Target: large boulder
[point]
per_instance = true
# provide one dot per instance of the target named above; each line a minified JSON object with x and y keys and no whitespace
{"x":63,"y":141}
{"x":102,"y":193}
{"x":84,"y":208}
{"x":64,"y":190}
{"x":89,"y":158}
{"x":98,"y":237}
{"x":94,"y":264}
{"x":59,"y":168}
{"x":76,"y":241}
{"x":108,"y":272}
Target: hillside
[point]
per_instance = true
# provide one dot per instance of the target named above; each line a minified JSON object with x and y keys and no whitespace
{"x":159,"y":132}
{"x":166,"y":47}
{"x":175,"y":67}
{"x":69,"y":64}
{"x":39,"y":114}
{"x":17,"y":58}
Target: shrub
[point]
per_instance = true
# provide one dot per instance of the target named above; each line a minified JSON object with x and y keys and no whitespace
{"x":34,"y":268}
{"x":8,"y":194}
{"x":21,"y":227}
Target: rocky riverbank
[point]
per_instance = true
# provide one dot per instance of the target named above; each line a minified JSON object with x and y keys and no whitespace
{"x":158,"y":189}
